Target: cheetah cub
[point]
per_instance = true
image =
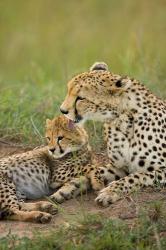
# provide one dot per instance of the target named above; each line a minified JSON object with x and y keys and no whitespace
{"x":61,"y":170}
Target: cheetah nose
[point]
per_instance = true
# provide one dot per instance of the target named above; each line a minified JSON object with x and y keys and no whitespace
{"x":65,"y":112}
{"x":52,"y":150}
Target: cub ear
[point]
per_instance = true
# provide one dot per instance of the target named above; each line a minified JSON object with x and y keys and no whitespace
{"x":71,"y":125}
{"x":99,"y":66}
{"x":48,"y":121}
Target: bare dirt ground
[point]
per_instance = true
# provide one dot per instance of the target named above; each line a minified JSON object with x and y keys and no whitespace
{"x":126,"y":209}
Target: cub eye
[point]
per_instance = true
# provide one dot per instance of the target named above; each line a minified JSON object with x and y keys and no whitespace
{"x":60,"y":138}
{"x":48,"y":138}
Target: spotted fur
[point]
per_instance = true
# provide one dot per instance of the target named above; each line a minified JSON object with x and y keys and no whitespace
{"x":61,"y":170}
{"x":135,"y":125}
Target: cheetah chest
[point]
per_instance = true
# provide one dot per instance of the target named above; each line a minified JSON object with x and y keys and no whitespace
{"x":119,"y":135}
{"x":118,"y":150}
{"x":140,"y":147}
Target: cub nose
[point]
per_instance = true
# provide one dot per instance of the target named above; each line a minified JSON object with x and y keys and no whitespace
{"x":52,"y":150}
{"x":65,"y":112}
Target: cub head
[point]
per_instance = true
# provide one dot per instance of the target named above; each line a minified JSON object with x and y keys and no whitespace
{"x":63,"y":136}
{"x":94,"y":95}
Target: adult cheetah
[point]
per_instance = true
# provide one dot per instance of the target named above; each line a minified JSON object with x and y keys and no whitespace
{"x":135,"y":122}
{"x":61,"y":170}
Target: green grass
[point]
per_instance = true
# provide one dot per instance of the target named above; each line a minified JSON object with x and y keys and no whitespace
{"x":42,"y":45}
{"x":94,"y":232}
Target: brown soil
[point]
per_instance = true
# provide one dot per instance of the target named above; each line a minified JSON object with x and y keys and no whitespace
{"x":126,"y":209}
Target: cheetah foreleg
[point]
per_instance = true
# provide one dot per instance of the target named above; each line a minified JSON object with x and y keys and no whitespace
{"x":133,"y":182}
{"x":11,"y":206}
{"x":71,"y":189}
{"x":96,"y":179}
{"x":111,"y":173}
{"x":32,"y":216}
{"x":102,"y":175}
{"x":43,"y":206}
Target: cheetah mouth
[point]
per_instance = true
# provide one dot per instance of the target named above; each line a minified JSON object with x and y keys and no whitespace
{"x":78,"y":118}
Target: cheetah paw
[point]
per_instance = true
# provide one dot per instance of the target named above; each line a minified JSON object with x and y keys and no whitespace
{"x":106,"y":197}
{"x":48,"y":207}
{"x":57,"y":197}
{"x":41,"y":217}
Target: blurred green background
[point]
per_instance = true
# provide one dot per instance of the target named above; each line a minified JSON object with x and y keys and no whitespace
{"x":44,"y":43}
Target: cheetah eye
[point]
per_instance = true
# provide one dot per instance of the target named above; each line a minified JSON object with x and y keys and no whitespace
{"x":79,"y":98}
{"x":60,"y":138}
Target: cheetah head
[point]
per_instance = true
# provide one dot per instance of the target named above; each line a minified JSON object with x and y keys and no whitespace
{"x":94,"y":95}
{"x":63,"y":136}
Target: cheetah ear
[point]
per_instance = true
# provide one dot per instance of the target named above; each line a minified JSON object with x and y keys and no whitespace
{"x":71,"y":125}
{"x":48,"y":121}
{"x":99,"y":66}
